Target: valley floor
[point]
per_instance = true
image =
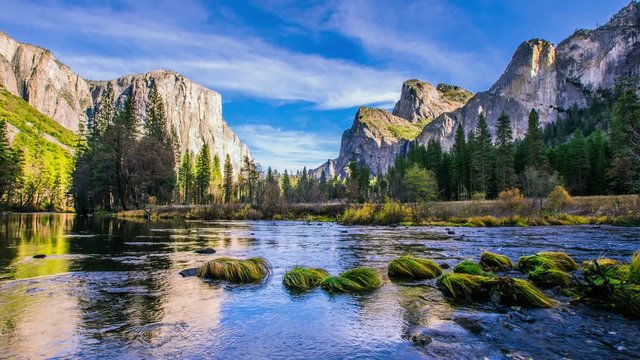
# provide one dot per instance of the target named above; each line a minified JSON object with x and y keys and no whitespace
{"x":616,"y":210}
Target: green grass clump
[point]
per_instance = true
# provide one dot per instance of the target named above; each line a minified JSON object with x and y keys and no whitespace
{"x":464,"y":286}
{"x":412,"y":267}
{"x":521,"y":292}
{"x":495,"y":262}
{"x":235,"y":270}
{"x":564,"y":261}
{"x":626,"y":299}
{"x":339,"y":284}
{"x":605,"y":271}
{"x":548,"y":260}
{"x":303,"y":278}
{"x":354,"y":280}
{"x":366,"y":277}
{"x":469,"y":267}
{"x":550,"y":277}
{"x":634,"y":268}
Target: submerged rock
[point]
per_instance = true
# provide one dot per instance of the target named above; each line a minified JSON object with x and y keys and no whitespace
{"x":421,"y":339}
{"x":189,"y":272}
{"x":470,"y":324}
{"x":205,"y":251}
{"x":39,"y":256}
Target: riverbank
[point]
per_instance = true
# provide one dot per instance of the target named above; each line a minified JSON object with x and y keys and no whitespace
{"x":622,"y":210}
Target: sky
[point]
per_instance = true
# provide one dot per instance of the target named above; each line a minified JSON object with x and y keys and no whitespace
{"x":293,"y":73}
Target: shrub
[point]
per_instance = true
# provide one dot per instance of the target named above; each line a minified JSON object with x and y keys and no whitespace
{"x":464,"y":286}
{"x":521,"y":292}
{"x":392,"y":212}
{"x":510,"y":199}
{"x":304,"y":278}
{"x":408,"y":266}
{"x":235,"y":270}
{"x":550,"y":277}
{"x":495,"y":262}
{"x":469,"y":267}
{"x":559,"y":199}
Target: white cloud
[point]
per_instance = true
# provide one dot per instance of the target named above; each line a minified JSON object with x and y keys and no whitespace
{"x":241,"y":63}
{"x":286,"y":149}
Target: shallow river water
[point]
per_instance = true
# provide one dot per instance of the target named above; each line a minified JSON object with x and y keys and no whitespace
{"x":111,"y":288}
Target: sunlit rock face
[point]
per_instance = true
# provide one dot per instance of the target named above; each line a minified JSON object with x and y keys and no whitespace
{"x":377,"y":137}
{"x":194,"y":111}
{"x":550,"y":78}
{"x":55,"y":90}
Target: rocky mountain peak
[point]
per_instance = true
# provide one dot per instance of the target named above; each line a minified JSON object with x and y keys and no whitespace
{"x":628,"y":16}
{"x":420,"y":100}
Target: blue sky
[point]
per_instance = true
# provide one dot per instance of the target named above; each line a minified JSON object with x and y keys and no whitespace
{"x":292,"y":73}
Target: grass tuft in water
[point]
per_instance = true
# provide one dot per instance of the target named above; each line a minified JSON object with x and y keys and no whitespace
{"x":605,"y":271}
{"x":521,"y":292}
{"x":411,"y":267}
{"x":634,"y":268}
{"x":303,"y":278}
{"x":339,"y":284}
{"x":495,"y":262}
{"x":547,"y":259}
{"x":564,"y":261}
{"x":366,"y":277}
{"x":626,"y":299}
{"x":469,"y":267}
{"x":464,"y":286}
{"x":235,"y":270}
{"x":550,"y":277}
{"x":358,"y":279}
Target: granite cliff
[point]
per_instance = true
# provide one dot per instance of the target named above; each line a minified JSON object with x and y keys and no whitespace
{"x":51,"y":87}
{"x":551,"y":79}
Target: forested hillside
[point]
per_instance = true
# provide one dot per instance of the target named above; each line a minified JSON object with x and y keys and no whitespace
{"x":41,"y":149}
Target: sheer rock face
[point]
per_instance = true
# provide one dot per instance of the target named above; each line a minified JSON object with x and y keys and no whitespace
{"x":551,"y":79}
{"x":35,"y":75}
{"x":193,"y":110}
{"x":371,"y":139}
{"x":55,"y":90}
{"x":419,"y":100}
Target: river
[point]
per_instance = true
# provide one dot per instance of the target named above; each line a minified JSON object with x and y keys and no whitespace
{"x":111,"y":288}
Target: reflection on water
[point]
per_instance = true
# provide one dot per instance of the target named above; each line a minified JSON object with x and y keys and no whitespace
{"x":111,"y":288}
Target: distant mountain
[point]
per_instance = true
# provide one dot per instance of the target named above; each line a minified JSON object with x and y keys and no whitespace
{"x":551,"y":79}
{"x":34,"y":74}
{"x":540,"y":76}
{"x":377,"y":136}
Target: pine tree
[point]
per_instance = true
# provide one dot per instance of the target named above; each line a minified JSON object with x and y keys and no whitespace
{"x":482,"y":156}
{"x":10,"y":165}
{"x":505,"y":153}
{"x":216,"y":177}
{"x":287,"y":189}
{"x":533,"y":144}
{"x":599,"y":162}
{"x":203,"y":174}
{"x":625,"y":141}
{"x":579,"y":167}
{"x":228,"y":179}
{"x":186,"y":178}
{"x":459,"y":164}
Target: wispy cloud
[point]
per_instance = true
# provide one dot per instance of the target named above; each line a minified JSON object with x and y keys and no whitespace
{"x":415,"y":35}
{"x":241,"y":63}
{"x":286,"y":149}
